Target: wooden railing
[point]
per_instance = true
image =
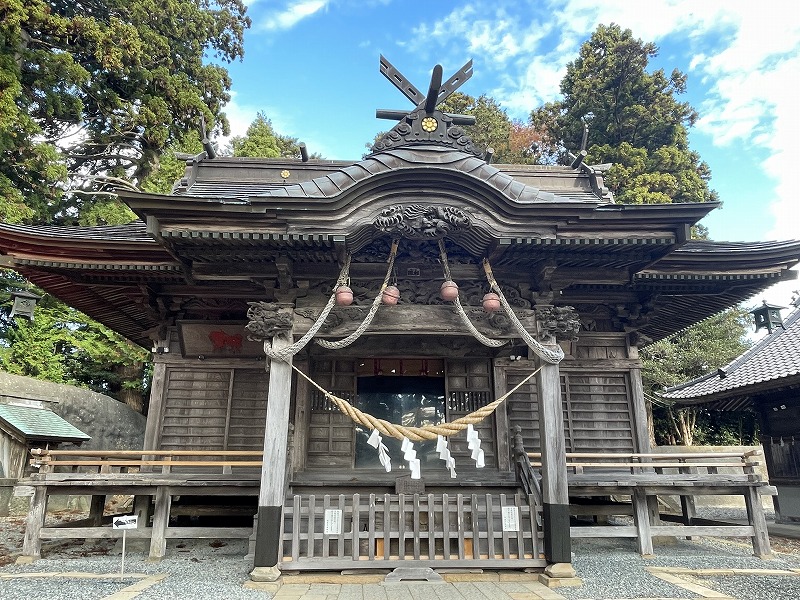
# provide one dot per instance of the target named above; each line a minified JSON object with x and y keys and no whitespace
{"x":380,"y":531}
{"x":683,"y":462}
{"x":525,"y":472}
{"x":645,"y":476}
{"x":127,"y":461}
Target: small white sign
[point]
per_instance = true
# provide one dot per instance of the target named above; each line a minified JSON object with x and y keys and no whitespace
{"x":125,"y":522}
{"x":333,"y":521}
{"x":510,"y":518}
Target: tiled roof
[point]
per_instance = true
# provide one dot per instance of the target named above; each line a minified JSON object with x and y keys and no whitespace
{"x":135,"y":231}
{"x":773,"y":360}
{"x":332,"y":178}
{"x":39,"y":424}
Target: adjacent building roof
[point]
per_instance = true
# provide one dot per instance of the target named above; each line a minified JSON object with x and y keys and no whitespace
{"x":771,"y":364}
{"x":38,"y":424}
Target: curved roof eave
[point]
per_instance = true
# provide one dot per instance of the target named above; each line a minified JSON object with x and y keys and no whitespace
{"x":418,"y":160}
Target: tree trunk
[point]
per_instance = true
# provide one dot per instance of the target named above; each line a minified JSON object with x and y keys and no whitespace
{"x":687,"y":418}
{"x":684,"y":424}
{"x":131,"y":395}
{"x":651,"y":425}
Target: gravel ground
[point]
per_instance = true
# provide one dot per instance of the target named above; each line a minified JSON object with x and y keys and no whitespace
{"x":610,"y":569}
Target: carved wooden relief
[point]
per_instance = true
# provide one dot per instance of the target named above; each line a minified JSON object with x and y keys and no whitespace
{"x":422,"y":222}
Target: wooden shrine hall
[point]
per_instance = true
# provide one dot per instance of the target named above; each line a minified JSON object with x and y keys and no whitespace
{"x":431,"y":351}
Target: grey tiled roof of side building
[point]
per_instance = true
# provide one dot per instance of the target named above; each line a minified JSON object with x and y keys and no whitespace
{"x":775,"y":357}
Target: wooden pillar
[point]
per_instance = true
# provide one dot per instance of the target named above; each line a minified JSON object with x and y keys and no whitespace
{"x":641,"y":429}
{"x":755,"y":515}
{"x":555,"y":494}
{"x":96,"y":509}
{"x":271,"y":498}
{"x":158,"y":537}
{"x":32,"y":543}
{"x":641,"y":517}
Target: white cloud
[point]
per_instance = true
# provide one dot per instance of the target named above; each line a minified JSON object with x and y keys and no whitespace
{"x":748,"y":56}
{"x":293,"y":13}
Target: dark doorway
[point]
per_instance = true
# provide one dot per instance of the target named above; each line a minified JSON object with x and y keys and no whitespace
{"x":410,"y":401}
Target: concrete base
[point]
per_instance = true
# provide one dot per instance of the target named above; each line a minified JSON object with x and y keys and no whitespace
{"x":25,"y":560}
{"x":413,"y":574}
{"x":560,"y":570}
{"x":559,"y":582}
{"x":265,"y":574}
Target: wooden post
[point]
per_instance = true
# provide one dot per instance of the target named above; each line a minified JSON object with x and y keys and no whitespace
{"x":32,"y":543}
{"x":641,"y":517}
{"x":555,"y":495}
{"x":142,"y":505}
{"x":271,"y":498}
{"x":641,"y":435}
{"x":755,"y":514}
{"x":158,"y":537}
{"x":96,"y":510}
{"x":501,"y":422}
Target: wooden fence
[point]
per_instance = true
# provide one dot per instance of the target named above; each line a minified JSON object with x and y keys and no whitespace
{"x":391,"y":530}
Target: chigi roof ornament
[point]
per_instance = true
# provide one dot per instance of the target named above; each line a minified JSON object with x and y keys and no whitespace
{"x":425,"y":123}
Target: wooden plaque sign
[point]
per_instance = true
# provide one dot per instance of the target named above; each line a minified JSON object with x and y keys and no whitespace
{"x":216,"y":339}
{"x":406,"y":485}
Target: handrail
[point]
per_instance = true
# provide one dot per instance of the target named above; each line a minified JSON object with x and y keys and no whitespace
{"x":46,"y":460}
{"x":656,"y":455}
{"x":525,"y":473}
{"x":686,"y":463}
{"x":42,"y":452}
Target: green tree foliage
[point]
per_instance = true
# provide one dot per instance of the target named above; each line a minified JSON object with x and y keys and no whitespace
{"x":172,"y":164}
{"x":635,"y":121}
{"x":63,"y":345}
{"x":262,"y":141}
{"x":93,"y":91}
{"x":691,"y":353}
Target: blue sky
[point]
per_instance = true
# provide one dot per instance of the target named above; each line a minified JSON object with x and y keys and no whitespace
{"x":312,"y":67}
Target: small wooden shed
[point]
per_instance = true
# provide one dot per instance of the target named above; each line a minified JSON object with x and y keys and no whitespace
{"x":22,"y":427}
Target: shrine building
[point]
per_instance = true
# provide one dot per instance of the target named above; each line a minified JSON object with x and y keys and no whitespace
{"x":400,"y":335}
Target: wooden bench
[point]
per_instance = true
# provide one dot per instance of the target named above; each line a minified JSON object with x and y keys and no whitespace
{"x":156,"y":474}
{"x":645,"y":476}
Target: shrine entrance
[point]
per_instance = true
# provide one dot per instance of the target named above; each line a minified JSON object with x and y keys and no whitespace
{"x":347,"y":511}
{"x":413,"y":400}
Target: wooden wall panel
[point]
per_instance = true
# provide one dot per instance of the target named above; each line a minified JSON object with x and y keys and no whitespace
{"x":248,"y":410}
{"x":214,"y":409}
{"x":469,"y":387}
{"x":331,"y":434}
{"x":13,"y":456}
{"x":597,"y":411}
{"x":195,"y":409}
{"x":523,"y":409}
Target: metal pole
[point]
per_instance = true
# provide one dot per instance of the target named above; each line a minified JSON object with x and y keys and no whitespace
{"x":122,"y":570}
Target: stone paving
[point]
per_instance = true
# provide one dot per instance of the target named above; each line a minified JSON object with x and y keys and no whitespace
{"x":463,"y":590}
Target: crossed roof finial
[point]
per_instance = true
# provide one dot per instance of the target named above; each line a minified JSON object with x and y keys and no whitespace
{"x":425,"y":124}
{"x":437,"y":93}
